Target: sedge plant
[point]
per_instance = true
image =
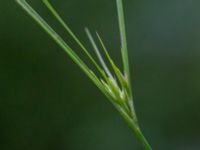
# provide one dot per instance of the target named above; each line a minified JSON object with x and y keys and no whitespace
{"x":115,"y":84}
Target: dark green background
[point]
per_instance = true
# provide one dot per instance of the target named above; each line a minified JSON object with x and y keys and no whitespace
{"x":47,"y":103}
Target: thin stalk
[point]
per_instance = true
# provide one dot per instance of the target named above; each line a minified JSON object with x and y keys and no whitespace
{"x":125,"y":60}
{"x":124,"y":51}
{"x":122,"y":28}
{"x":61,"y":43}
{"x":135,"y":128}
{"x":107,"y":54}
{"x":98,"y":53}
{"x":118,"y":73}
{"x":110,"y":86}
{"x":66,"y":27}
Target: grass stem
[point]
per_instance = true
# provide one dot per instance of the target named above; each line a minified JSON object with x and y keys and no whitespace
{"x":120,"y":96}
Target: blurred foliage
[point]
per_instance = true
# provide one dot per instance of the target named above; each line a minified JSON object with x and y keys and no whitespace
{"x":47,"y":103}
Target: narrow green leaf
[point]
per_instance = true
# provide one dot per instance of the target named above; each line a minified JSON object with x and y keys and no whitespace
{"x":110,"y":86}
{"x":60,"y":42}
{"x":98,"y":53}
{"x":124,"y":50}
{"x":66,"y":27}
{"x":115,"y":68}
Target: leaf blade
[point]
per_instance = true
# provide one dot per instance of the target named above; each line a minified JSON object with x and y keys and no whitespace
{"x":60,"y":42}
{"x":124,"y":50}
{"x":66,"y":27}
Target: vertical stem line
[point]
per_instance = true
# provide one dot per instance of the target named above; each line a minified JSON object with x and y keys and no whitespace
{"x":122,"y":28}
{"x":131,"y":121}
{"x":135,"y":128}
{"x":124,"y":51}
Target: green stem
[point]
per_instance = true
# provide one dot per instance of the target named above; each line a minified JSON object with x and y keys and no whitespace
{"x":141,"y":137}
{"x":131,"y":121}
{"x":124,"y":51}
{"x":61,"y":21}
{"x":128,"y":115}
{"x":135,"y":128}
{"x":122,"y":28}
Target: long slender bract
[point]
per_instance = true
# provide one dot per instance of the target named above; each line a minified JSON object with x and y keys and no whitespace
{"x":116,"y":87}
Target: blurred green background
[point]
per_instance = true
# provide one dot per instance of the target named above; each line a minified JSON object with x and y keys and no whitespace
{"x":47,"y":103}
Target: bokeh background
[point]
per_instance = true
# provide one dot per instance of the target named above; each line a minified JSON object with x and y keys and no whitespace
{"x":47,"y":103}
